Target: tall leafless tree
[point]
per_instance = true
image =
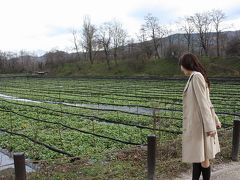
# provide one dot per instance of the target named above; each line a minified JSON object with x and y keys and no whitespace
{"x":187,"y":27}
{"x":76,"y":42}
{"x":156,"y":32}
{"x":119,"y":36}
{"x":104,"y":39}
{"x":202,"y":23}
{"x":89,"y":39}
{"x":145,"y":45}
{"x":217,"y":18}
{"x":3,"y":61}
{"x":152,"y":24}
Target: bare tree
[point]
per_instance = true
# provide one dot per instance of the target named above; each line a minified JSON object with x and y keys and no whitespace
{"x":76,"y":44}
{"x":55,"y":58}
{"x":142,"y":37}
{"x":130,"y":47}
{"x":145,"y":45}
{"x":89,"y":40}
{"x":156,"y":32}
{"x":26,"y":62}
{"x":187,"y":27}
{"x":152,"y":24}
{"x":104,"y":39}
{"x":217,"y":18}
{"x":202,"y":23}
{"x":119,"y":36}
{"x":3,"y":61}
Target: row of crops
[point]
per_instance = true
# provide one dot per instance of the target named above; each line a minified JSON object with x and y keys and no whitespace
{"x":48,"y":118}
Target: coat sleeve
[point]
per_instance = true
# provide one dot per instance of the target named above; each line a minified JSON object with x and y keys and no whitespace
{"x":200,"y":91}
{"x":214,"y":114}
{"x":216,"y":117}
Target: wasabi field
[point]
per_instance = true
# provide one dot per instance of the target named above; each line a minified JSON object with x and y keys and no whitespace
{"x":49,"y":118}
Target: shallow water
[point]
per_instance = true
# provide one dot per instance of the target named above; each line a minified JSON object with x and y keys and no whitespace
{"x":138,"y":110}
{"x":7,"y":162}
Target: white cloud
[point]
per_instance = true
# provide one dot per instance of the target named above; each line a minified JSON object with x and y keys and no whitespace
{"x":46,"y":24}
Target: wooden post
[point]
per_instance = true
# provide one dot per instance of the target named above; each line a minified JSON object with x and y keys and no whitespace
{"x":151,"y":161}
{"x":19,"y":166}
{"x":235,"y":139}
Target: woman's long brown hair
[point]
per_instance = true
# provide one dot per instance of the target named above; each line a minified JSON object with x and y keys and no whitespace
{"x":190,"y":62}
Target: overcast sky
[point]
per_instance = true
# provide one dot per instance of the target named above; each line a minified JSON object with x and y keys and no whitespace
{"x":42,"y":25}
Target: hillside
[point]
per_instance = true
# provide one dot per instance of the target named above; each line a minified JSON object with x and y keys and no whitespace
{"x":216,"y":67}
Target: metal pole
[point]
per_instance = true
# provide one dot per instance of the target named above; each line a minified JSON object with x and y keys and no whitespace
{"x":235,"y":139}
{"x":151,"y":156}
{"x":19,"y":164}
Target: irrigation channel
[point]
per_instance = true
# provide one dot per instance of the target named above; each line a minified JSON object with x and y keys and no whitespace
{"x":138,"y":110}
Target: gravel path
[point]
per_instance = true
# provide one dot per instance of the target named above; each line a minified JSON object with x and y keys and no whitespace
{"x":229,"y":171}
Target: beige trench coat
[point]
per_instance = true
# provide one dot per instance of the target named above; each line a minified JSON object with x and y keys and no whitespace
{"x":199,"y":117}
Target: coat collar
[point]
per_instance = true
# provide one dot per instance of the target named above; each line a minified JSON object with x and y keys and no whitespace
{"x":189,"y":79}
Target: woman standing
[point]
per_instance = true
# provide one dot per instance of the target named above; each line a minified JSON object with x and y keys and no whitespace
{"x":200,"y":122}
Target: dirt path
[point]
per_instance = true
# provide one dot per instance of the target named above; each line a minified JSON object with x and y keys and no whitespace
{"x":229,"y":171}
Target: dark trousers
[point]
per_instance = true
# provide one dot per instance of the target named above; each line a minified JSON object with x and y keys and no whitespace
{"x":198,"y":169}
